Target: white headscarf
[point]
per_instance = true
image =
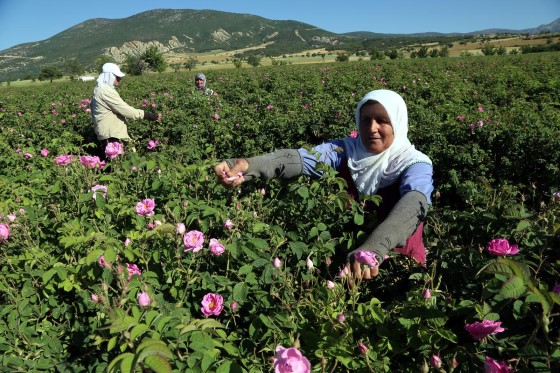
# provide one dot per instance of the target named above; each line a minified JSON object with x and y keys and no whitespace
{"x":109,"y":72}
{"x":372,"y":172}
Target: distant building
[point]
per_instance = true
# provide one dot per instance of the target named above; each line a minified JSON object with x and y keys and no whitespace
{"x":86,"y":78}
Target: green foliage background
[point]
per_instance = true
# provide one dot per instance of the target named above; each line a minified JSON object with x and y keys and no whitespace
{"x":491,"y":126}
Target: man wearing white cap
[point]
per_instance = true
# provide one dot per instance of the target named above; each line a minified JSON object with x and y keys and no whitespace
{"x":109,"y":111}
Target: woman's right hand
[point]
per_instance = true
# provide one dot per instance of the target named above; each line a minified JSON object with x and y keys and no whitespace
{"x":231,"y":176}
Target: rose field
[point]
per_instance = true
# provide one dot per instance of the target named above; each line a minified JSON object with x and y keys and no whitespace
{"x":148,"y":264}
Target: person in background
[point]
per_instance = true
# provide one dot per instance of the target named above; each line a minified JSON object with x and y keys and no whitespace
{"x":110,"y":112}
{"x":200,"y":84}
{"x":380,"y":161}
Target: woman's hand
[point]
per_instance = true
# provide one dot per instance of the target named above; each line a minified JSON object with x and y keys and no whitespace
{"x":231,"y":176}
{"x":360,"y":271}
{"x":362,"y":264}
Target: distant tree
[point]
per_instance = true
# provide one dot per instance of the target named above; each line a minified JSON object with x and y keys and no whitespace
{"x":501,"y":50}
{"x":488,"y":49}
{"x":433,"y":53}
{"x":72,"y":68}
{"x":414,"y":54}
{"x":444,"y":51}
{"x":237,"y":63}
{"x":191,"y":63}
{"x":176,"y":67}
{"x":422,"y":52}
{"x":393,"y":54}
{"x":102,"y":60}
{"x":254,"y":60}
{"x":50,"y":73}
{"x":134,"y":65}
{"x":153,"y":59}
{"x":376,"y":54}
{"x":514,"y":51}
{"x":342,"y":57}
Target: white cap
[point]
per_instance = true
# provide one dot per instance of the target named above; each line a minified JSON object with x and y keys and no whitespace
{"x":112,"y":68}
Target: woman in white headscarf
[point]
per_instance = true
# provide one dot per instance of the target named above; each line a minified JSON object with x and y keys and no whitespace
{"x":109,"y":111}
{"x":379,"y":161}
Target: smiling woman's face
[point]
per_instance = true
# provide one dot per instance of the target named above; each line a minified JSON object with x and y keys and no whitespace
{"x":376,"y":131}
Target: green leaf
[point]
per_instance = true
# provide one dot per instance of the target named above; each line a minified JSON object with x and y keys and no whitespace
{"x":158,"y":364}
{"x":112,"y":343}
{"x":259,"y":243}
{"x":259,"y":227}
{"x":247,"y":268}
{"x":358,"y":219}
{"x":94,"y":255}
{"x":240,"y":292}
{"x":303,"y":191}
{"x":122,"y":363}
{"x":138,"y":330}
{"x":450,"y":336}
{"x":523,"y":225}
{"x":513,"y":288}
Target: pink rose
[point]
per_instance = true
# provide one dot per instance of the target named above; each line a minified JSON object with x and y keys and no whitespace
{"x":353,"y":134}
{"x":44,"y":152}
{"x":102,"y":189}
{"x":228,"y":224}
{"x":234,"y":305}
{"x":127,"y":242}
{"x":193,"y":240}
{"x":277,"y":263}
{"x":27,"y":155}
{"x":341,"y":318}
{"x":63,"y":159}
{"x":152,"y":144}
{"x":4,"y":232}
{"x":290,"y":360}
{"x":212,"y":304}
{"x":493,"y":366}
{"x":366,"y":257}
{"x":146,"y":207}
{"x":102,"y":263}
{"x":556,"y":196}
{"x":480,"y":330}
{"x":427,"y":294}
{"x":143,"y":299}
{"x":362,"y":348}
{"x":330,"y":284}
{"x":181,"y":229}
{"x":11,"y":217}
{"x":309,"y":263}
{"x":435,"y":361}
{"x":91,"y":162}
{"x":132,"y":270}
{"x":216,"y":247}
{"x":501,"y":246}
{"x":113,"y":149}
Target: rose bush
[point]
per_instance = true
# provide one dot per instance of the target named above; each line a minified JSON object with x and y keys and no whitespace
{"x":74,"y":267}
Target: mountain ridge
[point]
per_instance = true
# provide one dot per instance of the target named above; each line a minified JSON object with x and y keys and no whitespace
{"x":191,"y":31}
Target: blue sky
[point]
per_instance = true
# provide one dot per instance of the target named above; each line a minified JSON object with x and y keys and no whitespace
{"x":23,"y":21}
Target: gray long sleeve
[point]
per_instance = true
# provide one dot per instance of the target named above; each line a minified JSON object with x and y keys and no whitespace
{"x":283,"y":163}
{"x":399,"y":225}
